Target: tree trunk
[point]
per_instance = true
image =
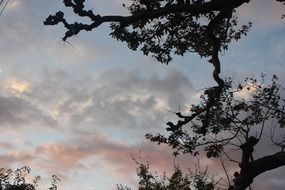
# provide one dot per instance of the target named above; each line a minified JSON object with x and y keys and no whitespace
{"x":249,"y":169}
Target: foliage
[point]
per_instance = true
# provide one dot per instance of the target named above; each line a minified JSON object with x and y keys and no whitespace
{"x":16,"y":180}
{"x":232,"y":117}
{"x":162,"y":27}
{"x":237,"y":119}
{"x":54,"y":181}
{"x":197,"y":180}
{"x":176,"y":33}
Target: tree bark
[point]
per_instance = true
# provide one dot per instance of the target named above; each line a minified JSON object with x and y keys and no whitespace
{"x":249,"y":169}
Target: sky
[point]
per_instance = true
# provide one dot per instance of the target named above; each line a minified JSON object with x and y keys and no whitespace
{"x":80,"y":112}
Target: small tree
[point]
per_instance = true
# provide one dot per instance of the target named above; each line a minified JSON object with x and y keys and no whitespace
{"x":16,"y":180}
{"x":197,"y":180}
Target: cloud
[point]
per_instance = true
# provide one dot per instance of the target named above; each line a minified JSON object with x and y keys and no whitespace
{"x":123,"y":105}
{"x":55,"y":87}
{"x":271,"y":12}
{"x":102,"y":112}
{"x":15,"y":112}
{"x":93,"y":151}
{"x":129,"y":99}
{"x":13,"y":157}
{"x":6,"y":145}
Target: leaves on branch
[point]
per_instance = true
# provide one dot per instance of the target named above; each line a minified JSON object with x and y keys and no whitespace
{"x":17,"y":180}
{"x":192,"y":180}
{"x":231,"y":117}
{"x":162,"y":28}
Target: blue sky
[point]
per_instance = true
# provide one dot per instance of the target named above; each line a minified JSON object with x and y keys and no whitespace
{"x":81,"y":112}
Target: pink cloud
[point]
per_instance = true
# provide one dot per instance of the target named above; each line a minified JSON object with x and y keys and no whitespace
{"x":15,"y":156}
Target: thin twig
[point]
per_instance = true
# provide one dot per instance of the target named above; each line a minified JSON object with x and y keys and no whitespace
{"x":70,"y":44}
{"x":170,"y":111}
{"x":224,"y":168}
{"x":230,"y":159}
{"x":4,"y":6}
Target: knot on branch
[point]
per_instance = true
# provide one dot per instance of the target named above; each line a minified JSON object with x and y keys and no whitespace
{"x":247,"y":150}
{"x":249,"y":144}
{"x":172,"y":127}
{"x":54,"y":19}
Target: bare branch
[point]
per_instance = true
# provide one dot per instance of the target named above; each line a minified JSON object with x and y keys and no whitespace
{"x":5,"y":5}
{"x":225,"y":170}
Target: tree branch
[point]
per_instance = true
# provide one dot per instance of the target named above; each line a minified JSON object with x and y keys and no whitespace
{"x":259,"y":166}
{"x":143,"y":15}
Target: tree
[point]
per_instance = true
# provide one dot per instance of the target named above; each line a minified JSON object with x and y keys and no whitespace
{"x":16,"y":180}
{"x":197,"y":180}
{"x":233,"y":121}
{"x":238,"y":119}
{"x":163,"y":28}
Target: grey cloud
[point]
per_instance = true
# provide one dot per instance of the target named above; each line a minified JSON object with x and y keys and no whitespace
{"x":114,"y":103}
{"x":23,"y":34}
{"x":114,"y":98}
{"x":15,"y":112}
{"x":20,"y":25}
{"x":272,"y":12}
{"x":271,"y":180}
{"x":6,"y":145}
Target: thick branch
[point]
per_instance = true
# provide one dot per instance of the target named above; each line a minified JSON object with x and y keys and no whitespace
{"x":251,"y":168}
{"x":144,"y":15}
{"x":215,"y":92}
{"x":267,"y":163}
{"x":258,"y":167}
{"x":247,"y":150}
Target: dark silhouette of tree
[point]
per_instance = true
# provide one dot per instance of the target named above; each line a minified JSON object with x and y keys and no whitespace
{"x":164,"y":28}
{"x":238,"y":119}
{"x":197,"y":180}
{"x":16,"y":180}
{"x":241,"y":117}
